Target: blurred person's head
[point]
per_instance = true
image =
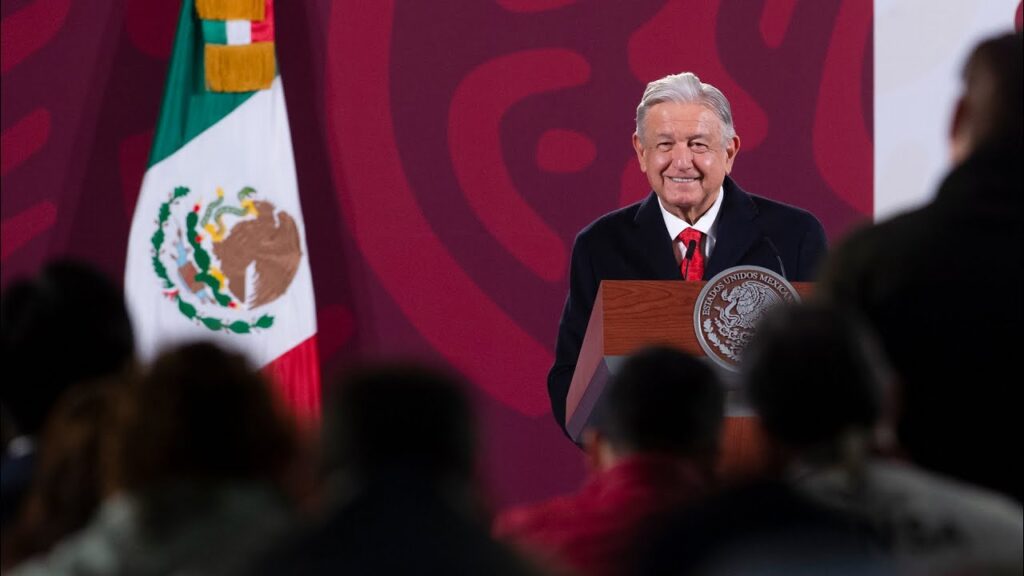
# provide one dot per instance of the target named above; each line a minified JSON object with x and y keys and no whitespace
{"x":989,"y":110}
{"x":8,"y":429}
{"x":400,"y":419}
{"x":660,"y":401}
{"x":70,"y":477}
{"x":815,"y":376}
{"x":68,"y":324}
{"x":202,"y":414}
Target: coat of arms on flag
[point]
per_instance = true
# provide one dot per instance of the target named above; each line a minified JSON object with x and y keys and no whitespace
{"x":224,"y":261}
{"x":217,"y":247}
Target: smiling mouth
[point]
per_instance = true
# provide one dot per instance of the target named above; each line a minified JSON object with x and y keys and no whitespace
{"x":683,"y":180}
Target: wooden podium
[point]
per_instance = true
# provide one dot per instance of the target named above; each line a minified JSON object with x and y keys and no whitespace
{"x":631,"y":314}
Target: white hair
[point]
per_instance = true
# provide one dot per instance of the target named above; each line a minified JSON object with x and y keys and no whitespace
{"x":686,"y":88}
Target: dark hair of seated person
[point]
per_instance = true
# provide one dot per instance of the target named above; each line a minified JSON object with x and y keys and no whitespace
{"x":813,"y":373}
{"x":67,"y":324}
{"x":400,"y":418}
{"x":204,"y":415}
{"x":663,"y":400}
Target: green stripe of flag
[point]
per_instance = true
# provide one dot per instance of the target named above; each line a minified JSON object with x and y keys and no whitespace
{"x":188,"y":108}
{"x":215,"y":31}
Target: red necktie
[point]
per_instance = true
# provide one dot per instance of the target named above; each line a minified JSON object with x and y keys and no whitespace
{"x":692,"y":268}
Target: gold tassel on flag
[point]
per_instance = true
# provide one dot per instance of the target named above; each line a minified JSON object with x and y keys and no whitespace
{"x":231,"y":9}
{"x":243,"y":68}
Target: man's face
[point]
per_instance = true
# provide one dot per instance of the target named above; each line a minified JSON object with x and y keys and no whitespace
{"x":684,"y":157}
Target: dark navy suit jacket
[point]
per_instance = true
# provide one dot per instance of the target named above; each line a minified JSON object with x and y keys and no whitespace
{"x":632,"y":243}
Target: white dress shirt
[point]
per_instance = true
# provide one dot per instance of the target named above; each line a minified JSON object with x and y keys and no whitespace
{"x":707,"y":223}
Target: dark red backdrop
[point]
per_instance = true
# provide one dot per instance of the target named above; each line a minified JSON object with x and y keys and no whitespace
{"x":447,"y":153}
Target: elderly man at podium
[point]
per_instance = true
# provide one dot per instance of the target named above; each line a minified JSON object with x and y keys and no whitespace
{"x":695,"y":223}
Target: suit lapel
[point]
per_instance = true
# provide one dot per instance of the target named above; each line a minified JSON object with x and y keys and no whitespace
{"x":654,"y":240}
{"x":736,"y":231}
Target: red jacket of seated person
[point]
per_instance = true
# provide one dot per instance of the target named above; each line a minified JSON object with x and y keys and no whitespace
{"x":594,"y":530}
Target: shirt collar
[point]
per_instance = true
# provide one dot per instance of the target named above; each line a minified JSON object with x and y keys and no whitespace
{"x":706,"y":223}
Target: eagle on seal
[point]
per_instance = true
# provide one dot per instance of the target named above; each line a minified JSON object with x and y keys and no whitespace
{"x":747,"y":302}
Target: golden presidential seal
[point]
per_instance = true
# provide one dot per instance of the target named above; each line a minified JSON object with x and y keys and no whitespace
{"x":729,"y":306}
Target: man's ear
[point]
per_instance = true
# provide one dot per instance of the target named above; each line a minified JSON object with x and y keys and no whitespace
{"x":638,"y":146}
{"x":731,"y":149}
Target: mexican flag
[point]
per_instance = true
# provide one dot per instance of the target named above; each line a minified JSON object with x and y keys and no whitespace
{"x":217,"y":245}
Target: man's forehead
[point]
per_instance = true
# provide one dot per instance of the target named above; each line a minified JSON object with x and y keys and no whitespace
{"x":690,"y":120}
{"x":675,"y":130}
{"x":681,"y":111}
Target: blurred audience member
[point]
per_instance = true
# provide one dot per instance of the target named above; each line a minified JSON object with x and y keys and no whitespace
{"x":196,"y":476}
{"x":762,"y":527}
{"x":400,"y":449}
{"x":16,"y":463}
{"x":758,"y":526}
{"x":653,"y":445}
{"x":928,"y":282}
{"x":66,"y":325}
{"x":8,"y":431}
{"x":70,"y":476}
{"x":817,"y":380}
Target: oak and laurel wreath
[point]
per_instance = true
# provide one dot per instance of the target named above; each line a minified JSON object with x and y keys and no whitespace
{"x":202,"y":259}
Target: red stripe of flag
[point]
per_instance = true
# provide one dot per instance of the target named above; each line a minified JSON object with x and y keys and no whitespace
{"x":296,"y":374}
{"x":263,"y":30}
